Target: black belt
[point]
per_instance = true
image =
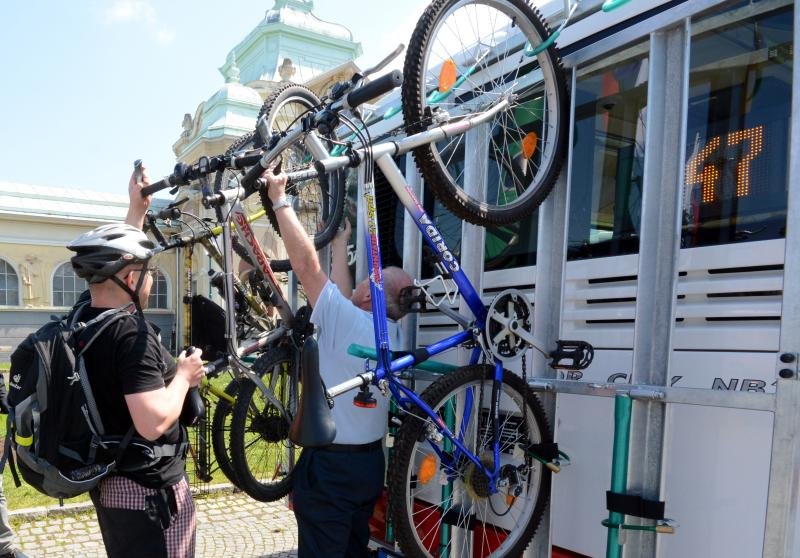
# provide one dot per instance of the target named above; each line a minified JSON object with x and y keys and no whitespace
{"x":354,"y":448}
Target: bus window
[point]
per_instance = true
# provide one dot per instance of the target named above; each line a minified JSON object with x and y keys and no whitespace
{"x":512,"y":245}
{"x":608,"y":157}
{"x":737,"y":139}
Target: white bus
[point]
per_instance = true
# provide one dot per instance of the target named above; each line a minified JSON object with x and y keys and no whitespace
{"x":665,"y":246}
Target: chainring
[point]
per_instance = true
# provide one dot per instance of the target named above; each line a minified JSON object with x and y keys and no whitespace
{"x":508,"y":306}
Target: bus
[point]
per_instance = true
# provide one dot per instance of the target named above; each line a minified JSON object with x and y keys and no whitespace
{"x":666,"y":244}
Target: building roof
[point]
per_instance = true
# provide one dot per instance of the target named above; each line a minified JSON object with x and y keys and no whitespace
{"x":297,"y":13}
{"x":65,"y":203}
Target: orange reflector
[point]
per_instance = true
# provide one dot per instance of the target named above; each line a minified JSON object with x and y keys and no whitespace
{"x":510,"y":500}
{"x":427,"y":469}
{"x":447,"y":75}
{"x":529,"y":145}
{"x":365,"y":404}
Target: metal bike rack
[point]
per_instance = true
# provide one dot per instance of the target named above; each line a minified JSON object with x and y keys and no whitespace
{"x":650,"y":391}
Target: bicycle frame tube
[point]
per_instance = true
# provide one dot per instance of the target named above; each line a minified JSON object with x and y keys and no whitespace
{"x":434,"y":239}
{"x":256,"y":253}
{"x":376,"y":279}
{"x":237,"y":214}
{"x":405,"y":396}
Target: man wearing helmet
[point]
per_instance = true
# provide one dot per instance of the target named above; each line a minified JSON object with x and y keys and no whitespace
{"x":143,"y":510}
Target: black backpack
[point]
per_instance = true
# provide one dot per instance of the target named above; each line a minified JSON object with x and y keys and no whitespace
{"x":54,"y":427}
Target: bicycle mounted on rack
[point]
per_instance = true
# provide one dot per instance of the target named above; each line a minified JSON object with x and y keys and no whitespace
{"x":461,"y":451}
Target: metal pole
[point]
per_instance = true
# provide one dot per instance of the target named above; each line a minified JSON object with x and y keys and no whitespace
{"x":473,"y":237}
{"x":658,"y":263}
{"x":619,"y":468}
{"x":782,"y":533}
{"x":551,"y":250}
{"x":412,"y":246}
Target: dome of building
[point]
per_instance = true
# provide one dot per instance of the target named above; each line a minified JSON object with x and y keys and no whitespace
{"x":297,"y":14}
{"x":233,"y":90}
{"x":236,"y":92}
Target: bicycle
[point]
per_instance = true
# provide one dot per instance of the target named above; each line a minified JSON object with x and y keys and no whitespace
{"x":499,"y":93}
{"x":475,"y":447}
{"x":261,"y":429}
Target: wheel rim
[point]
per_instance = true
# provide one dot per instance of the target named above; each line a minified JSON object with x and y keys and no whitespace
{"x":268,"y":451}
{"x":312,"y":197}
{"x":463,"y":498}
{"x":519,"y":144}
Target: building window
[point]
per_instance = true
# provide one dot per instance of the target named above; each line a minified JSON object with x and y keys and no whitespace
{"x":9,"y":285}
{"x":67,"y":286}
{"x":158,"y":292}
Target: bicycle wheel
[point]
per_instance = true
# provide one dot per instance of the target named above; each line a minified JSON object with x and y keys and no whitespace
{"x":463,"y":57}
{"x":261,"y":453}
{"x":318,"y":202}
{"x":220,"y":432}
{"x":440,"y":502}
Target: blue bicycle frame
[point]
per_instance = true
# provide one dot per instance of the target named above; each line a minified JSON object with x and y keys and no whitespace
{"x":386,"y":367}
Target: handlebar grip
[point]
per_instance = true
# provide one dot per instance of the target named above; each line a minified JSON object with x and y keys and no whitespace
{"x":155,"y":187}
{"x":193,"y":406}
{"x":375,"y":88}
{"x":247,"y":161}
{"x":248,"y":181}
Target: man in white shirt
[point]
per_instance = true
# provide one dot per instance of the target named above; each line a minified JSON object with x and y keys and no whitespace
{"x":335,"y":488}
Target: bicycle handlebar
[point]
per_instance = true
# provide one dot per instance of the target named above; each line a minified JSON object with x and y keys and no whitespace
{"x":183,"y":174}
{"x":375,"y":88}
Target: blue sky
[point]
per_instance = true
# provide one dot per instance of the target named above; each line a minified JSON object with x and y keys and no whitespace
{"x":90,"y":85}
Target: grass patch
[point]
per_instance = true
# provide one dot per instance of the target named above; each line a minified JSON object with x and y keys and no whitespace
{"x":26,"y":496}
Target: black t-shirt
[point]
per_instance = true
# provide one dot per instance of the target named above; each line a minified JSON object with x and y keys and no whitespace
{"x":128,"y":358}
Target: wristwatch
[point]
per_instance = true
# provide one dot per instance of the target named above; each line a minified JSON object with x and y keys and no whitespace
{"x":282,"y":202}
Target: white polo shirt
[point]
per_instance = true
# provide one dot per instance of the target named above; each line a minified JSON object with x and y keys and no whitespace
{"x":340,"y":323}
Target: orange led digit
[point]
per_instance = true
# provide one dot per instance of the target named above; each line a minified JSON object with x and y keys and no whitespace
{"x":755,"y":138}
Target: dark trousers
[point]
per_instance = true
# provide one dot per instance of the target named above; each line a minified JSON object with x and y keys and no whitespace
{"x":334,"y":497}
{"x":138,"y":522}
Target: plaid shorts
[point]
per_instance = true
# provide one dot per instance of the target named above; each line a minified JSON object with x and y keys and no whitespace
{"x":120,"y":493}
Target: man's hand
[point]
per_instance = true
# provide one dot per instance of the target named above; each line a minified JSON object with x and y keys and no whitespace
{"x":137,"y":205}
{"x":191,"y":367}
{"x":276,"y":185}
{"x":343,"y":235}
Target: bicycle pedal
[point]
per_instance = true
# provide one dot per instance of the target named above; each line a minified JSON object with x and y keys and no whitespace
{"x":571,"y":355}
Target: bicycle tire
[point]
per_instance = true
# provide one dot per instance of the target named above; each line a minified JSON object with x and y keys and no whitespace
{"x":416,"y":499}
{"x":325,"y":193}
{"x":220,"y":432}
{"x":261,"y":453}
{"x":524,"y":146}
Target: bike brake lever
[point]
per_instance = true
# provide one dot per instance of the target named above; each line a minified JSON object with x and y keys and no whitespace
{"x":383,"y":63}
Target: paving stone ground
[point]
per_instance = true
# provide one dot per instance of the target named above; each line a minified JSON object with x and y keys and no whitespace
{"x":229,"y":524}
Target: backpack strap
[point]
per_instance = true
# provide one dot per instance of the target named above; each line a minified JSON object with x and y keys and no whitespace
{"x":110,"y":316}
{"x":8,"y":455}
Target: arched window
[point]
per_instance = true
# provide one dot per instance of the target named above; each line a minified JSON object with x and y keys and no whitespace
{"x":158,"y":292}
{"x":9,"y":285}
{"x":67,"y":286}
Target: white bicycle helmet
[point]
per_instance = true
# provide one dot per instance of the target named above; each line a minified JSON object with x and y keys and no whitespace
{"x":104,"y":251}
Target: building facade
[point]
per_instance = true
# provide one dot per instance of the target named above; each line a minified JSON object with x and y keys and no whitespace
{"x":36,"y":223}
{"x":36,"y":277}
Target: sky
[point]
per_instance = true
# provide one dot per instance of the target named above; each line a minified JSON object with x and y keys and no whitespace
{"x":89,"y":86}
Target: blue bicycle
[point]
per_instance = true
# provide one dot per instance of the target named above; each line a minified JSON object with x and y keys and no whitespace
{"x":484,"y":103}
{"x":469,"y":473}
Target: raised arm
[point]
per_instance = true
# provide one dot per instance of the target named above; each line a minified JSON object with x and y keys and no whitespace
{"x":340,"y":271}
{"x":137,"y":206}
{"x":299,"y":245}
